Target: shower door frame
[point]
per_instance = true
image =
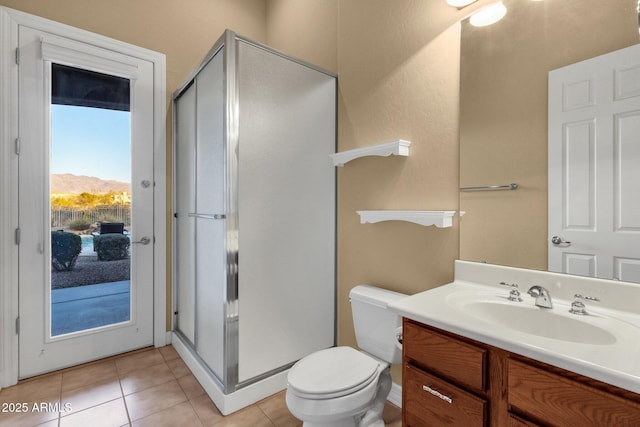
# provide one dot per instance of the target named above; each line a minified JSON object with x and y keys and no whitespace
{"x":228,"y":382}
{"x":227,"y":45}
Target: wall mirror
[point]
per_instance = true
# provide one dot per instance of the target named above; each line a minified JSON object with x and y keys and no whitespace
{"x":503,"y":117}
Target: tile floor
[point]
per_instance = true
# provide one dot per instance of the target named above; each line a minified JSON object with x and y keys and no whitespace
{"x":149,"y":387}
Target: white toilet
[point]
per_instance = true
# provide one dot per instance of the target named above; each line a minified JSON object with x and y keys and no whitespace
{"x":344,"y":387}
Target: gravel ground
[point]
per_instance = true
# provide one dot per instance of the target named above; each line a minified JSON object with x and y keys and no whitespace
{"x":88,"y":271}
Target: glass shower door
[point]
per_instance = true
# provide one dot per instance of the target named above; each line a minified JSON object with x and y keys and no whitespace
{"x":201,"y":219}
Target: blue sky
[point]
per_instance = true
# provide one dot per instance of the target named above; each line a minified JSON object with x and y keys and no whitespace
{"x":91,"y":141}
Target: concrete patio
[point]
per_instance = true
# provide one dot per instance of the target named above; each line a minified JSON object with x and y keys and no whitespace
{"x":91,"y":306}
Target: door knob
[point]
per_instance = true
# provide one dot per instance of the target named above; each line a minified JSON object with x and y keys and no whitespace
{"x":144,"y":241}
{"x":557,"y":240}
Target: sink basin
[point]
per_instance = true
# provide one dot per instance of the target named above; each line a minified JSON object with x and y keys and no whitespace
{"x":541,"y":322}
{"x":556,"y":323}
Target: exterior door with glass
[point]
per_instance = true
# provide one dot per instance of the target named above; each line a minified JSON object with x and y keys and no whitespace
{"x":85,"y":202}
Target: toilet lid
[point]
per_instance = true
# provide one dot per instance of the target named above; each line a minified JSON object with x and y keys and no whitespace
{"x":335,"y":371}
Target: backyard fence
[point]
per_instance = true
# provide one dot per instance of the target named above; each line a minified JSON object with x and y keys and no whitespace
{"x":62,"y":217}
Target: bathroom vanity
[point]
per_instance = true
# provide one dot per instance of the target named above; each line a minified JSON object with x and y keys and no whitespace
{"x":472,"y":357}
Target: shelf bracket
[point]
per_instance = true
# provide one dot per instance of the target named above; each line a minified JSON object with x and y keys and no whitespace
{"x":398,"y":148}
{"x":441,"y":219}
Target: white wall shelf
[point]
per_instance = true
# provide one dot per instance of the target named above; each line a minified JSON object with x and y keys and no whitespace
{"x":440,"y":219}
{"x":398,"y":148}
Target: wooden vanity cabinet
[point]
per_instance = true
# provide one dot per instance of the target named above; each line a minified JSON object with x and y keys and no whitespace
{"x":449,"y":380}
{"x":444,"y":379}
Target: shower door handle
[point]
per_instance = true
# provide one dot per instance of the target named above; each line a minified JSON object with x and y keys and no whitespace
{"x":206,"y":216}
{"x":144,"y":241}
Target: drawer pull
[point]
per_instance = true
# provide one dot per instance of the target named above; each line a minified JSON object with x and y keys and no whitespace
{"x":436,"y":393}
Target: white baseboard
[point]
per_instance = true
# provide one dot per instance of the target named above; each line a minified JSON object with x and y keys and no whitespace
{"x":395,"y":395}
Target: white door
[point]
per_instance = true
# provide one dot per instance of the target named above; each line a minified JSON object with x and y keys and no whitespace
{"x":594,"y":167}
{"x":104,"y":304}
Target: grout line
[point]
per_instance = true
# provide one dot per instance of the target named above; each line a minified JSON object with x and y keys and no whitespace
{"x":60,"y":397}
{"x":195,"y":412}
{"x":124,"y":400}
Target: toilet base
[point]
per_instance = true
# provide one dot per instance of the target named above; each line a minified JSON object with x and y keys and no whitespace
{"x":372,"y":417}
{"x":340,"y":423}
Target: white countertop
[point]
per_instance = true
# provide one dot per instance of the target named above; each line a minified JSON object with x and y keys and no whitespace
{"x":614,"y":360}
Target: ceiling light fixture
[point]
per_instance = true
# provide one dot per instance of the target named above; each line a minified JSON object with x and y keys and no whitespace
{"x":460,"y":3}
{"x":488,"y":15}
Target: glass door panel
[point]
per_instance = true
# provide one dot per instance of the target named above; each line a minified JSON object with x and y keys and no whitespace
{"x":90,"y":200}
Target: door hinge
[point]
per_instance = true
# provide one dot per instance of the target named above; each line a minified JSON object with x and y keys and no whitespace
{"x":17,"y":56}
{"x":17,"y":236}
{"x":17,"y":146}
{"x":18,"y":325}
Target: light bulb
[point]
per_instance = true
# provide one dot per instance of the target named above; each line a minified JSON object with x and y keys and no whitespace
{"x":460,"y":3}
{"x":488,"y":15}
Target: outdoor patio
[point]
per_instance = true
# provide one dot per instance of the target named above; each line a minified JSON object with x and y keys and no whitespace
{"x":93,"y":294}
{"x":91,"y":306}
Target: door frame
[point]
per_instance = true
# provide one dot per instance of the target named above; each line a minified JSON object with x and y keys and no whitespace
{"x":10,"y":19}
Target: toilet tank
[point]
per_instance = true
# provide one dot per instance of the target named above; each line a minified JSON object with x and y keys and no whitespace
{"x":374,"y":323}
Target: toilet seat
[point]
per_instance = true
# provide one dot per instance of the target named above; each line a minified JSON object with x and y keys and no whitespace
{"x":332,"y":373}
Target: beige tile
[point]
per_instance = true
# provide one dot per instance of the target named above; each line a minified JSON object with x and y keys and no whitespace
{"x":110,"y":414}
{"x":392,"y":415}
{"x":32,"y":389}
{"x":31,"y":402}
{"x":138,"y":360}
{"x":191,"y":386}
{"x":169,"y":352}
{"x":154,"y":399}
{"x":180,"y":415}
{"x":140,"y":379}
{"x":93,"y":394}
{"x":88,"y":374}
{"x":251,"y":416}
{"x":206,"y":410}
{"x":178,"y":367}
{"x":26,"y":416}
{"x":275,"y":407}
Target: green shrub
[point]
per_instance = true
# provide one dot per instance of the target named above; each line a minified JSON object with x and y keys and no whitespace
{"x":80,"y":224}
{"x":65,"y":248}
{"x":111,"y":246}
{"x":108,"y":218}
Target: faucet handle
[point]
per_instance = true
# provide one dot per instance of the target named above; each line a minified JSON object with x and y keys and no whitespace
{"x":586,"y":298}
{"x":513,"y":285}
{"x":514,"y":295}
{"x":578,"y":307}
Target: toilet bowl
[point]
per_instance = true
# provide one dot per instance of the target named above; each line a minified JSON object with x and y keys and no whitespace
{"x":344,"y":387}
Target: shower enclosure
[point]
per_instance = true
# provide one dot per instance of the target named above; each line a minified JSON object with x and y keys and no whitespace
{"x":254,"y":218}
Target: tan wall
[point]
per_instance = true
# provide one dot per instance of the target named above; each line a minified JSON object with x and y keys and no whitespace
{"x":183,"y":31}
{"x":306,"y":29}
{"x":503,"y":117}
{"x":398,"y":64}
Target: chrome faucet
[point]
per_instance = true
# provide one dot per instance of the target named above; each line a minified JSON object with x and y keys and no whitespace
{"x":542,"y":296}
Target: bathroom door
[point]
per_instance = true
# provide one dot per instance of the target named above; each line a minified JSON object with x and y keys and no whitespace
{"x":106,"y":308}
{"x":594,"y":178}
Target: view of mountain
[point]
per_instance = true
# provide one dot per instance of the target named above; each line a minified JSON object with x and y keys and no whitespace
{"x":67,"y":183}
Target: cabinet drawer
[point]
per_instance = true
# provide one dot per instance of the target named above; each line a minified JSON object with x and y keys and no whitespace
{"x":515,"y":421}
{"x":430,"y":401}
{"x":553,"y":399}
{"x":446,"y":356}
